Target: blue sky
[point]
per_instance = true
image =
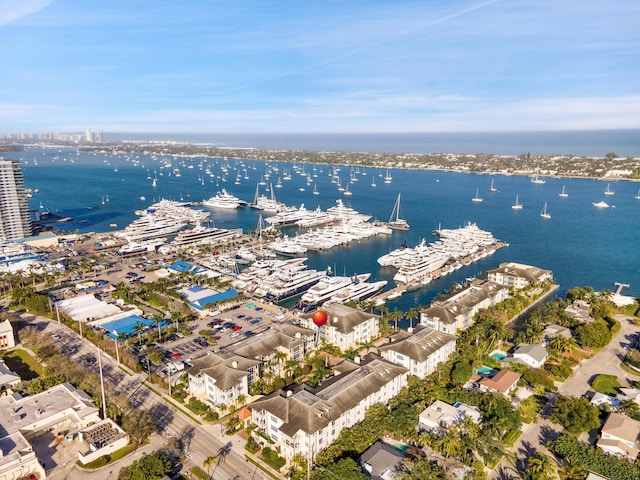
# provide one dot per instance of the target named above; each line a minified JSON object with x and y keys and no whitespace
{"x":319,"y":66}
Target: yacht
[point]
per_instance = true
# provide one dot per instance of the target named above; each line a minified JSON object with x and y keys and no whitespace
{"x":420,"y":268}
{"x":204,"y":235}
{"x":358,"y":291}
{"x":537,"y":180}
{"x":637,"y":197}
{"x":395,"y":222}
{"x":288,"y":286}
{"x":563,"y":194}
{"x":477,"y":198}
{"x":608,"y":190}
{"x":326,"y":288}
{"x":151,"y":226}
{"x":492,"y":188}
{"x":517,"y":206}
{"x":387,"y":178}
{"x":601,"y":204}
{"x":224,"y":200}
{"x":544,"y":213}
{"x":136,"y":248}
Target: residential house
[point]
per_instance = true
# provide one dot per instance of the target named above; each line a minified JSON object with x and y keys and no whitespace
{"x":8,"y":379}
{"x":600,"y":399}
{"x":7,"y":339}
{"x":440,"y":415}
{"x":221,"y":378}
{"x":531,"y":355}
{"x":456,"y":312}
{"x":554,"y":330}
{"x":305,"y":420}
{"x":102,"y":438}
{"x":619,"y":436}
{"x":580,"y":310}
{"x":629,"y":394}
{"x":381,"y":461}
{"x":505,"y":382}
{"x":421,"y":351}
{"x":518,"y":275}
{"x":346,"y":327}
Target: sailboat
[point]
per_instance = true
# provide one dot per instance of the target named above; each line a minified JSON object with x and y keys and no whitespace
{"x":544,"y":213}
{"x":517,"y":206}
{"x":537,"y":180}
{"x":347,"y":192}
{"x":315,"y":189}
{"x":477,"y":197}
{"x":387,"y":178}
{"x":637,"y":197}
{"x":373,"y":181}
{"x":492,"y":188}
{"x":608,"y":190}
{"x":563,"y":194}
{"x":395,"y":222}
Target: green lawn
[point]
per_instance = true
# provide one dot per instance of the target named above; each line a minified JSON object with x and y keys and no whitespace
{"x":607,"y":384}
{"x":22,"y":363}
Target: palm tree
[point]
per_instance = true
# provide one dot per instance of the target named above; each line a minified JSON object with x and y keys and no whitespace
{"x":572,"y":470}
{"x":413,"y":313}
{"x":542,"y":466}
{"x":157,"y":320}
{"x":395,"y":316}
{"x":120,"y":336}
{"x":139,"y":328}
{"x":209,"y":462}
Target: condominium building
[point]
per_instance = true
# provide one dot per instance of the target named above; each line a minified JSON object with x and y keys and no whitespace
{"x":15,"y":221}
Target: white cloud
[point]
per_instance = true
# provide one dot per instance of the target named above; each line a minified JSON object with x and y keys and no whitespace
{"x":12,"y":10}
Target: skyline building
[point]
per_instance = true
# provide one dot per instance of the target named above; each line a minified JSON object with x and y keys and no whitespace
{"x":15,"y":220}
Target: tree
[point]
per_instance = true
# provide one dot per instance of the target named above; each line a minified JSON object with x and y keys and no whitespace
{"x":419,"y":468}
{"x":150,"y":467}
{"x":542,"y":467}
{"x":158,"y":320}
{"x":139,"y":328}
{"x":209,"y":462}
{"x":461,"y":372}
{"x":575,"y":414}
{"x":413,"y":314}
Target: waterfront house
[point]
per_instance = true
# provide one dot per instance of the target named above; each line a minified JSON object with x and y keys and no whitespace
{"x":518,"y":275}
{"x":600,"y":399}
{"x":346,"y":327}
{"x":456,"y":312}
{"x":420,"y":351}
{"x":619,"y":436}
{"x":580,"y":310}
{"x":505,"y":382}
{"x":8,"y":379}
{"x":304,"y":421}
{"x":441,"y":416}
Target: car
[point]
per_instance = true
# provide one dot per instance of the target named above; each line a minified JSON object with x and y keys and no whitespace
{"x":258,"y":309}
{"x":90,"y":360}
{"x":176,"y":355}
{"x":235,"y":328}
{"x":248,"y":333}
{"x":225,"y":329}
{"x":240,"y":315}
{"x":235,"y":334}
{"x":255,"y":321}
{"x":55,"y":336}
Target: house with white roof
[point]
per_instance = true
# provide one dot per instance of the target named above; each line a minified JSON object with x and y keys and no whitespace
{"x":8,"y":379}
{"x":532,"y":355}
{"x":441,"y":416}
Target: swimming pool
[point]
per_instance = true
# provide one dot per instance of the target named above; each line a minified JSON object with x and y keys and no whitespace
{"x":499,"y":356}
{"x":485,"y":371}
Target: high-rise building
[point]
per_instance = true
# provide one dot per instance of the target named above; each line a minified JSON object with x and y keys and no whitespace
{"x":15,"y":221}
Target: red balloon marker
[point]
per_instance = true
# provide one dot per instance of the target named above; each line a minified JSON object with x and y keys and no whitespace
{"x":319,"y":318}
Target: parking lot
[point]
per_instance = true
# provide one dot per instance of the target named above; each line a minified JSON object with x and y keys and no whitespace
{"x":226,"y":328}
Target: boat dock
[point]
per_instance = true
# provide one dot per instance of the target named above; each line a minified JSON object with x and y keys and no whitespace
{"x":398,"y":290}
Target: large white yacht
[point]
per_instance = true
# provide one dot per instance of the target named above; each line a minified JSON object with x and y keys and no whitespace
{"x":224,"y":200}
{"x":205,"y":235}
{"x":325,"y":289}
{"x":419,"y":268}
{"x":358,"y":291}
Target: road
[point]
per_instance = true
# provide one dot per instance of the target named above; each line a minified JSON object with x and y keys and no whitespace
{"x":201,"y":441}
{"x":606,"y":361}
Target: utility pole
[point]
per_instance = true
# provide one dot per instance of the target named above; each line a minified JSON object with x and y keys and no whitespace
{"x":58,"y":313}
{"x":104,"y":400}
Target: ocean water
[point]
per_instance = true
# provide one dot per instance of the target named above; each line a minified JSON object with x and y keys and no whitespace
{"x":582,"y":244}
{"x":596,"y":143}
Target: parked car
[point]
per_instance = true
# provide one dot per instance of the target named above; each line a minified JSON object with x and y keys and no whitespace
{"x":255,"y":321}
{"x":235,"y":328}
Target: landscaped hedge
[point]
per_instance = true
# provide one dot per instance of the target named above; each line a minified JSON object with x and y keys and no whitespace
{"x":593,"y":459}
